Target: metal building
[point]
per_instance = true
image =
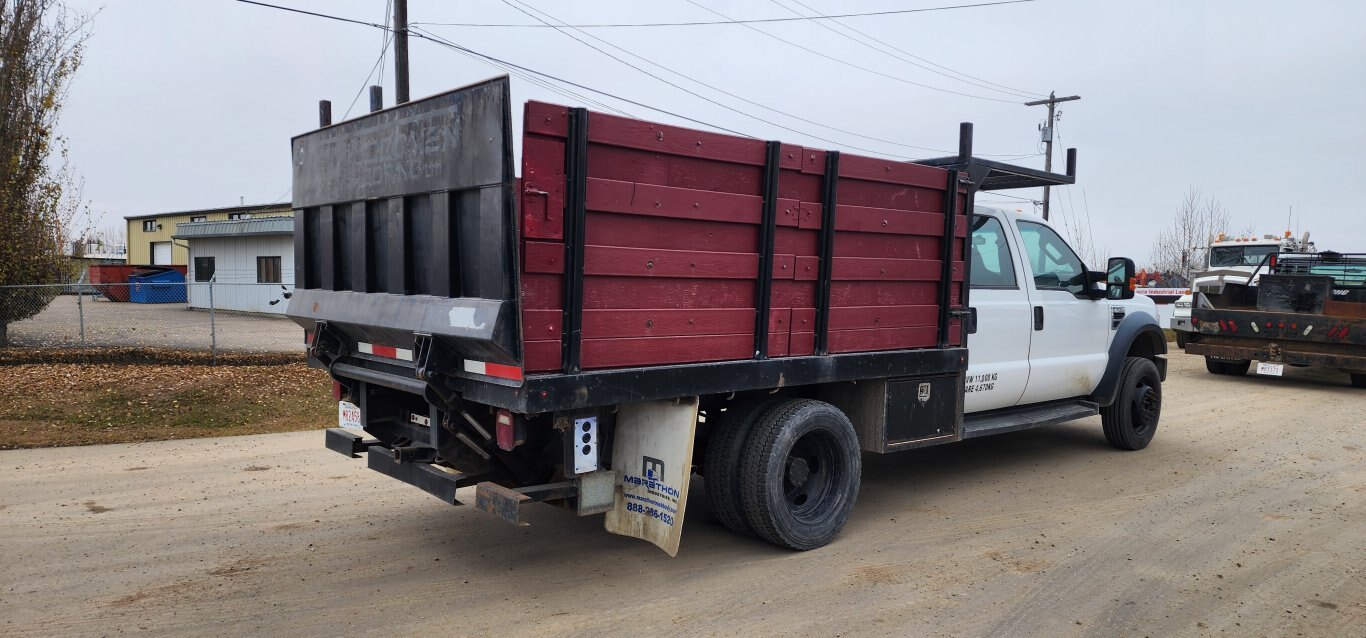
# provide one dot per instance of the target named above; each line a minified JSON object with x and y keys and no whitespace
{"x":250,"y":263}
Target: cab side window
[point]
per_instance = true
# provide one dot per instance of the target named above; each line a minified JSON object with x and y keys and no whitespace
{"x":992,"y":266}
{"x":1054,"y":264}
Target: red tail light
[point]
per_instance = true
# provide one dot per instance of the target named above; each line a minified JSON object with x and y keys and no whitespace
{"x":337,"y":391}
{"x":507,"y":432}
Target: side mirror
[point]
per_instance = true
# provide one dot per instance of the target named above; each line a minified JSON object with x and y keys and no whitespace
{"x":1119,"y":278}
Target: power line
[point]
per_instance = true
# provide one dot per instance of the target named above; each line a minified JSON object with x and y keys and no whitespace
{"x":451,"y":45}
{"x":975,"y":81}
{"x":851,"y":64}
{"x":527,"y":77}
{"x":509,"y":66}
{"x":726,"y":21}
{"x":719,"y":90}
{"x":379,"y":64}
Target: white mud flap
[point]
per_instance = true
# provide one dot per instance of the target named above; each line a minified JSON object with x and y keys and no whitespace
{"x":652,"y":458}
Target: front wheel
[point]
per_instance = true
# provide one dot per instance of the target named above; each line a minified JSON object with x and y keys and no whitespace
{"x":800,"y":474}
{"x":1181,"y":339}
{"x":1131,"y":421}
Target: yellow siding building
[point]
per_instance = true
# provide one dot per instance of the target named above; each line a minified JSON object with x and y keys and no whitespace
{"x":149,"y":236}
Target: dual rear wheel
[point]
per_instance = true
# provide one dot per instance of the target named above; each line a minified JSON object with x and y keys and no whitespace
{"x":785,"y":470}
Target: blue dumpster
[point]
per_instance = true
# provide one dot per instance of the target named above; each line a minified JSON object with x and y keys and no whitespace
{"x":156,"y":285}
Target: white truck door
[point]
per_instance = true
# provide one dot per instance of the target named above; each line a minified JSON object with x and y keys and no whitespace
{"x":998,"y":353}
{"x":1068,"y":344}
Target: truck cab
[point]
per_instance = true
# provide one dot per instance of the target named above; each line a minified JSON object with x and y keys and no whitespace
{"x":1232,"y":260}
{"x":1041,"y":335}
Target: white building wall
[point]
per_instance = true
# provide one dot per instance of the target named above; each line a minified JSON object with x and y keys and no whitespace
{"x":235,"y":286}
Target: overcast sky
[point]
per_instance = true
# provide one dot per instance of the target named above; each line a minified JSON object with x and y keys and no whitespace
{"x":1261,"y":104}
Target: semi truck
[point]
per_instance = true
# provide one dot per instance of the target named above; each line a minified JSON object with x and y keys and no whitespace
{"x":1306,"y":310}
{"x":1232,"y":259}
{"x":647,"y":302}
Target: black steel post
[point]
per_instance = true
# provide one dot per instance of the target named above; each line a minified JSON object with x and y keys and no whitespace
{"x":829,"y":199}
{"x":576,"y":188}
{"x":324,"y":113}
{"x":946,"y":270}
{"x":767,"y":228}
{"x":376,"y":98}
{"x":400,"y":51}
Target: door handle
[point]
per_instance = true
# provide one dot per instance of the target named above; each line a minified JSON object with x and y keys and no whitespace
{"x":1038,"y":317}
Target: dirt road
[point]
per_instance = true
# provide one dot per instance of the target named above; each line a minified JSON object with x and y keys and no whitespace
{"x":1246,"y":516}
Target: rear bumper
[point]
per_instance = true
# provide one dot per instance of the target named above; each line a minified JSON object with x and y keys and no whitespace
{"x":1276,"y":352}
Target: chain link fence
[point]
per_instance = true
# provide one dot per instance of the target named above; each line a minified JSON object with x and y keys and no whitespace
{"x":205,"y":316}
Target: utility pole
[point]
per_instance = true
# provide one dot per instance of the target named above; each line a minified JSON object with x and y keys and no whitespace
{"x":400,"y":51}
{"x":1047,"y":132}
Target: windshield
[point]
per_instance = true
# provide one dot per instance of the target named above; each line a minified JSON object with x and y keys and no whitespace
{"x":1240,"y":255}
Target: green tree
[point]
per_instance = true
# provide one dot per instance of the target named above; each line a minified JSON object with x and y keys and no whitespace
{"x":41,"y":43}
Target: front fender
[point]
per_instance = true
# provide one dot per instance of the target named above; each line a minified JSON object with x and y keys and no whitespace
{"x":1137,"y":335}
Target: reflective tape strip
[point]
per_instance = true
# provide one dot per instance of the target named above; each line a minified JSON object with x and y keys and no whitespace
{"x":493,"y":370}
{"x":389,"y":352}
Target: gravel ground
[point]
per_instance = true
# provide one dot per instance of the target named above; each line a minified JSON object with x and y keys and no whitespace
{"x":1245,"y":517}
{"x":116,"y":324}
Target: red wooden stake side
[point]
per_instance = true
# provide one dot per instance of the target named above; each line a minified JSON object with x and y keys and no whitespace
{"x":672,"y":251}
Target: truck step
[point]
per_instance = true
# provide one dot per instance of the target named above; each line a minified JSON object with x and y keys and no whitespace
{"x":1026,"y":417}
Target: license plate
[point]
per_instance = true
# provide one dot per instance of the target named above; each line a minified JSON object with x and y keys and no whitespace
{"x":348,"y":415}
{"x":1270,"y":369}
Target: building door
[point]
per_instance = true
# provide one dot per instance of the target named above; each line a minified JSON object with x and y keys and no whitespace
{"x":161,"y":253}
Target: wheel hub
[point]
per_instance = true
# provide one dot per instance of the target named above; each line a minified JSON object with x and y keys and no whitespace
{"x":1145,"y":405}
{"x":798,"y":471}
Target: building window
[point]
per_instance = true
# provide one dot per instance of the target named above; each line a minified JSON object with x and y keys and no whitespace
{"x":268,"y":270}
{"x":198,"y":218}
{"x":203,"y":268}
{"x":149,"y":226}
{"x":239,"y":215}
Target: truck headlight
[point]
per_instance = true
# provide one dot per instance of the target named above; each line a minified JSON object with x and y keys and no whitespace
{"x":1183,"y":304}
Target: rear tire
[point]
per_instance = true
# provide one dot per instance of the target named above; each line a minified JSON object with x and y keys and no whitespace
{"x":1359,"y":380}
{"x":1222,"y":366}
{"x":1131,"y":421}
{"x":800,"y":474}
{"x":721,"y":462}
{"x":1181,"y":339}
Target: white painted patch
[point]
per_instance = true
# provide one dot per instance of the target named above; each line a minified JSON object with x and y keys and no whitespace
{"x":464,"y":318}
{"x":475,"y":367}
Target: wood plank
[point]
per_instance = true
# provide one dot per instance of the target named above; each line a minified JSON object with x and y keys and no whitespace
{"x":543,"y":188}
{"x":879,"y":269}
{"x":884,"y":293}
{"x":541,"y":291}
{"x":541,"y":356}
{"x":545,"y":119}
{"x":673,"y":140}
{"x":652,"y":262}
{"x":801,"y":242}
{"x":664,"y":201}
{"x":610,"y":229}
{"x":859,"y":167}
{"x":793,"y":294}
{"x":543,"y":257}
{"x":620,"y":353}
{"x":889,"y":246}
{"x":865,"y":219}
{"x":637,"y":292}
{"x":883,"y":339}
{"x":894,"y":196}
{"x":628,"y":165}
{"x":801,"y":343}
{"x":542,"y":324}
{"x":875,"y":317}
{"x":665,"y":322}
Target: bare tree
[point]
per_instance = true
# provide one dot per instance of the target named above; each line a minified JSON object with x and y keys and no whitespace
{"x":41,"y":43}
{"x":1182,"y":247}
{"x":1075,"y":226}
